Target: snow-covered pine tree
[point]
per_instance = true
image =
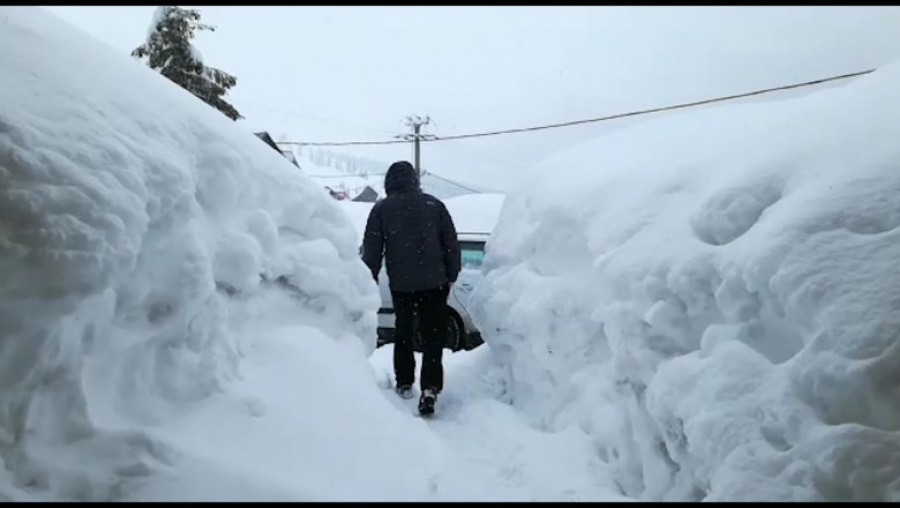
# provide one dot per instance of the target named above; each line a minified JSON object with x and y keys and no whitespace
{"x":168,"y":49}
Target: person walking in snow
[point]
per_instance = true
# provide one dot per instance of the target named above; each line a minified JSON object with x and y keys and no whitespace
{"x":415,"y":235}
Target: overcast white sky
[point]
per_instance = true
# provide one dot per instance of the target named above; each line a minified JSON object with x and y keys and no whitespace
{"x":354,"y":73}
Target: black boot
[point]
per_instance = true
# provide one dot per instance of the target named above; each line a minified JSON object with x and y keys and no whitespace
{"x":405,"y":391}
{"x":427,"y":401}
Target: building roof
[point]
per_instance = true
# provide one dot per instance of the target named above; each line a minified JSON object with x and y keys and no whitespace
{"x":267,"y":139}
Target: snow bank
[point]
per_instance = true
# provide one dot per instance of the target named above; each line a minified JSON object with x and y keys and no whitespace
{"x":490,"y":453}
{"x":713,"y":297}
{"x":359,"y":215}
{"x":179,"y":303}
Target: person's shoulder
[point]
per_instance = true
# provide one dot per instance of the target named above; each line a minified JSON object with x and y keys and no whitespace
{"x":386,"y":199}
{"x":431,"y":199}
{"x":378,"y":206}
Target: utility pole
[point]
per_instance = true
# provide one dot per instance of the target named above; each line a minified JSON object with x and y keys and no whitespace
{"x":416,"y":122}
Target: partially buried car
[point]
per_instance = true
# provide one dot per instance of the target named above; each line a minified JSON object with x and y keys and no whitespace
{"x":462,"y":335}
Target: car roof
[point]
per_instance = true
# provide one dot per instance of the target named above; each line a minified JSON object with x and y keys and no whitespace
{"x":473,"y":237}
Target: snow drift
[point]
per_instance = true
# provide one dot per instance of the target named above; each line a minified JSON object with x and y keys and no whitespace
{"x":713,"y":296}
{"x":178,"y":300}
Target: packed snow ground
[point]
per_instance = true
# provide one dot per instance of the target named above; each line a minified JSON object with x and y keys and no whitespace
{"x":489,"y":453}
{"x":713,"y":297}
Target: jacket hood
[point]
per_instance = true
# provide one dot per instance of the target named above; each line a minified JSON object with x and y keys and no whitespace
{"x":400,"y":177}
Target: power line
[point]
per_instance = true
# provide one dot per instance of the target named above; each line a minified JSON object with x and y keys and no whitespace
{"x":344,"y":143}
{"x":590,"y":120}
{"x":429,"y":173}
{"x":656,"y":110}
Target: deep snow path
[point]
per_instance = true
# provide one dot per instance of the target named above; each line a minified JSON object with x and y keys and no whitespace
{"x":355,"y":440}
{"x":489,"y":452}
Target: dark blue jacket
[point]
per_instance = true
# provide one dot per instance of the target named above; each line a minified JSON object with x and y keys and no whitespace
{"x":414,"y":234}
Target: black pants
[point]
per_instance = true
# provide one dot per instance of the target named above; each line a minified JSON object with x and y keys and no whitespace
{"x":428,"y":309}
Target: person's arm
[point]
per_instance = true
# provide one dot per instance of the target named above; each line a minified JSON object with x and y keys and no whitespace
{"x":373,"y":242}
{"x":450,"y":243}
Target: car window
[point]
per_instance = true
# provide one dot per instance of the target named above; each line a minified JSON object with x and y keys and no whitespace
{"x":472,"y":254}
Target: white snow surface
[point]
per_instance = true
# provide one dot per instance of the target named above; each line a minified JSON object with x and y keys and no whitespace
{"x":358,"y":213}
{"x":330,"y":177}
{"x":475,"y":213}
{"x":700,"y":307}
{"x":185,"y":317}
{"x":489,"y":453}
{"x":713,"y":297}
{"x":195,"y":54}
{"x":142,"y":331}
